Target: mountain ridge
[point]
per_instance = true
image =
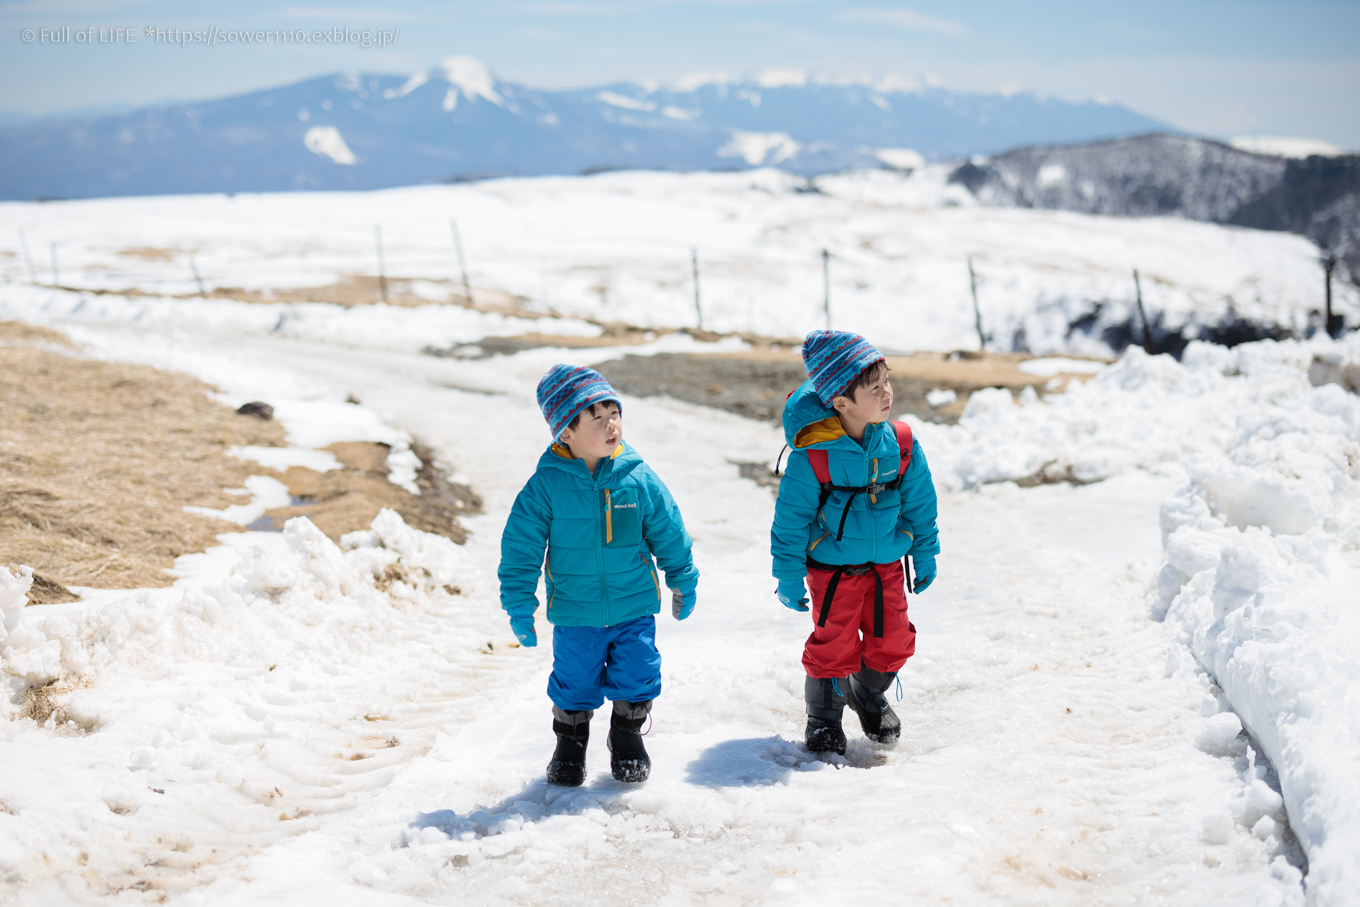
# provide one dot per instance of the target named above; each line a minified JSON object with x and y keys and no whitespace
{"x":458,"y":120}
{"x":1182,"y":176}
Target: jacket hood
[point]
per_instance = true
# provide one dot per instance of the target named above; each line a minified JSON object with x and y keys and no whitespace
{"x":808,"y":421}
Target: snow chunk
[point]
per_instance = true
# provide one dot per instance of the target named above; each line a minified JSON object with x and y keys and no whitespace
{"x":13,"y":598}
{"x":326,"y":141}
{"x":266,"y":494}
{"x":1219,"y":733}
{"x":941,"y":396}
{"x":283,"y":457}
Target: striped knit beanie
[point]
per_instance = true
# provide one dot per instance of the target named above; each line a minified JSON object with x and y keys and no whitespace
{"x":567,"y":390}
{"x":834,"y":359}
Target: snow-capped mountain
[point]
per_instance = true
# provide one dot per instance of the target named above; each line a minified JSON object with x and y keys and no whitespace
{"x":457,"y":120}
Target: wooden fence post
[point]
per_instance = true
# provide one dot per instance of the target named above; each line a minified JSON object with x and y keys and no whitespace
{"x":1142,"y":313}
{"x":694,"y":263}
{"x":977,"y":312}
{"x":28,"y":259}
{"x":462,"y":265}
{"x":382,"y":271}
{"x":826,"y":286}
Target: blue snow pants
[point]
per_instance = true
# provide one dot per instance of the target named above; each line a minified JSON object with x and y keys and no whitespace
{"x":592,"y":664}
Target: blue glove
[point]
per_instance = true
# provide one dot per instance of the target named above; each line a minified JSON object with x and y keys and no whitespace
{"x":682,"y":603}
{"x":792,"y":595}
{"x":925,"y":573}
{"x":522,"y":625}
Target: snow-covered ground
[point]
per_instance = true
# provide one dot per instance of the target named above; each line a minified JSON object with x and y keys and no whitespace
{"x":289,"y":725}
{"x":617,"y":247}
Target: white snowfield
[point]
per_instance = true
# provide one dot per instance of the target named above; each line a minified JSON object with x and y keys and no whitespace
{"x":1136,"y":685}
{"x":617,"y":247}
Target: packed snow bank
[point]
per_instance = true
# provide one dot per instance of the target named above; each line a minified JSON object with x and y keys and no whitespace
{"x":1262,"y":550}
{"x":304,"y":578}
{"x":242,"y":696}
{"x":1141,"y":412}
{"x":1262,"y":582}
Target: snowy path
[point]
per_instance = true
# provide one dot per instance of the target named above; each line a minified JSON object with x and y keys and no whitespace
{"x":1046,"y":758}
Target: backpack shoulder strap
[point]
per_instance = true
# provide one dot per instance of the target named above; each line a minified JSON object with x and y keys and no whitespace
{"x":904,"y":445}
{"x":820,"y":465}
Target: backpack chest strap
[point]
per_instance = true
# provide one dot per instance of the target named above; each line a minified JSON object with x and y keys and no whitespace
{"x":821,"y":468}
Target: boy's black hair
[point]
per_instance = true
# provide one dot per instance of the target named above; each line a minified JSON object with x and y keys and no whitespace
{"x":865,"y":378}
{"x":576,"y":420}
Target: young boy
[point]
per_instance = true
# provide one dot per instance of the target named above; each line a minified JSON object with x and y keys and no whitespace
{"x":855,"y":500}
{"x":602,"y":515}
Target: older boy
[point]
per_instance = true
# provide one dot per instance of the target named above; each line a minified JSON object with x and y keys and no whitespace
{"x":602,"y":515}
{"x":856,"y":499}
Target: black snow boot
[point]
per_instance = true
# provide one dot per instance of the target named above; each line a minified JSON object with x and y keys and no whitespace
{"x":628,"y":758}
{"x":568,"y":764}
{"x":825,"y":703}
{"x":866,"y":689}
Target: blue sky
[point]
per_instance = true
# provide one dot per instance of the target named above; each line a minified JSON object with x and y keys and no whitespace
{"x":1209,"y":66}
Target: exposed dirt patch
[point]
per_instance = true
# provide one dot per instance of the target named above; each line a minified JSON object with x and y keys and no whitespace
{"x":612,"y":333}
{"x":346,"y":500}
{"x":1053,"y":473}
{"x":756,"y":383}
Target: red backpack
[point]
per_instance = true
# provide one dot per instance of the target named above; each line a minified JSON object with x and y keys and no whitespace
{"x":821,"y":469}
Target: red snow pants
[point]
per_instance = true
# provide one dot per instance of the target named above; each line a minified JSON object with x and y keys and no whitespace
{"x":843,"y":629}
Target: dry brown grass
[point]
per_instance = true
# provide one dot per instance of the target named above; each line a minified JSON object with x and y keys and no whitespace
{"x":356,"y":289}
{"x":349,"y":290}
{"x":99,"y":459}
{"x":14,"y":332}
{"x":151,"y":253}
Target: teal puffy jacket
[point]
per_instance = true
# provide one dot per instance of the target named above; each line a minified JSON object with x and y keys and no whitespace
{"x":601,"y":533}
{"x":879,"y":529}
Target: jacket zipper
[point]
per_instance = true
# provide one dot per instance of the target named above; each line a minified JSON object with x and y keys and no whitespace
{"x":599,"y":549}
{"x":868,"y":513}
{"x":652,"y":568}
{"x":608,"y":520}
{"x":553,"y":596}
